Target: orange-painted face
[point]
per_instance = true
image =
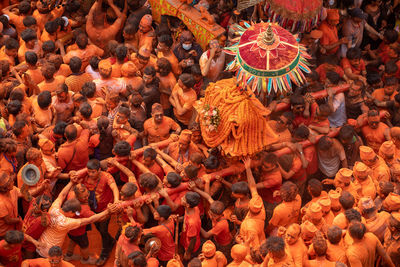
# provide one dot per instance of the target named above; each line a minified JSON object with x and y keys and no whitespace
{"x":373,"y":122}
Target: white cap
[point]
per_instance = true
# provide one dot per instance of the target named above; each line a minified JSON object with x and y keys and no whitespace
{"x":66,"y":21}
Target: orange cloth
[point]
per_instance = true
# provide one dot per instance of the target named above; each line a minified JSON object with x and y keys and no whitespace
{"x":330,"y":36}
{"x":336,"y":253}
{"x":374,"y":137}
{"x":36,"y":75}
{"x":173,"y":60}
{"x":81,"y":157}
{"x":364,"y":253}
{"x":167,"y":83}
{"x":165,"y":233}
{"x":253,"y":225}
{"x":379,"y":94}
{"x":97,"y":105}
{"x":23,"y":49}
{"x":378,"y":224}
{"x":346,"y":65}
{"x":4,"y":56}
{"x":84,"y":54}
{"x":380,"y":171}
{"x":173,"y":151}
{"x":156,"y":133}
{"x":75,"y":82}
{"x":41,"y":117}
{"x":221,"y":232}
{"x":40,"y":262}
{"x":298,"y":250}
{"x":365,"y":188}
{"x":41,"y":19}
{"x":284,"y":136}
{"x":51,"y":86}
{"x":186,"y":100}
{"x":8,"y":207}
{"x":64,"y":71}
{"x":286,"y":213}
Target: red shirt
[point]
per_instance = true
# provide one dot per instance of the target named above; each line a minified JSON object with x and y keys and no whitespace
{"x":191,"y":228}
{"x":310,"y":155}
{"x":272,"y":181}
{"x":221,"y":232}
{"x":10,"y":257}
{"x":124,"y":161}
{"x":33,"y":227}
{"x":103,"y":192}
{"x":299,"y":119}
{"x":155,"y":168}
{"x":86,"y":212}
{"x":324,"y":68}
{"x":165,"y":232}
{"x":346,"y":64}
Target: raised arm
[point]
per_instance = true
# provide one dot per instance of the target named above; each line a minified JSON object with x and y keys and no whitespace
{"x":204,"y":195}
{"x":250,"y":178}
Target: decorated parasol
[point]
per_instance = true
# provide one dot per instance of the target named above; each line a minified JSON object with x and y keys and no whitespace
{"x":268,"y":57}
{"x":296,"y":15}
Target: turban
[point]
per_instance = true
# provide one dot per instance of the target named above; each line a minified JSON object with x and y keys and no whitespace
{"x":392,"y":202}
{"x":46,"y":144}
{"x":367,"y":153}
{"x":344,"y":175}
{"x":208,"y":249}
{"x":387,"y":149}
{"x":185,"y":137}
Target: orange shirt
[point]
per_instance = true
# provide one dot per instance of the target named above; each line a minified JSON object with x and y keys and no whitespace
{"x":321,"y":262}
{"x":380,"y":95}
{"x":81,"y":157}
{"x":286,"y":213}
{"x":173,"y":60}
{"x":159,"y":132}
{"x":284,"y":136}
{"x":36,"y":75}
{"x":368,"y":188}
{"x":40,"y":262}
{"x":51,"y":86}
{"x":48,"y":37}
{"x":336,"y":253}
{"x":299,"y":251}
{"x":41,"y":19}
{"x":40,"y":116}
{"x":173,"y":151}
{"x":374,"y":137}
{"x":167,"y":83}
{"x":17,"y":21}
{"x":355,"y":70}
{"x":329,"y":36}
{"x":116,"y":70}
{"x":221,"y":232}
{"x":4,"y":56}
{"x":191,"y":228}
{"x":380,"y":171}
{"x":287,"y":261}
{"x":186,"y":99}
{"x":8,"y":207}
{"x":23,"y":49}
{"x":363,"y":254}
{"x":64,"y":70}
{"x":165,"y":232}
{"x":97,"y":105}
{"x":378,"y":224}
{"x":84,"y":54}
{"x":75,"y":82}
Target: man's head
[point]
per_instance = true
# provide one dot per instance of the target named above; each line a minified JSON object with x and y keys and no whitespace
{"x":387,"y":150}
{"x":357,"y":16}
{"x":284,"y":121}
{"x":172,"y":179}
{"x":357,"y":230}
{"x":346,"y":135}
{"x":81,"y":193}
{"x":145,"y":23}
{"x":191,"y":200}
{"x":368,"y":156}
{"x":186,"y":81}
{"x":297,"y":103}
{"x":164,"y":211}
{"x":29,"y":36}
{"x":334,"y":234}
{"x":184,"y":140}
{"x":148,"y":181}
{"x":71,"y":207}
{"x":216,"y":210}
{"x":93,"y":169}
{"x":122,"y":149}
{"x":314,"y":188}
{"x":367,"y":207}
{"x":320,"y":245}
{"x":149,"y":156}
{"x":128,"y":191}
{"x":165,"y":42}
{"x":55,"y":256}
{"x":214,"y":44}
{"x":82,"y":41}
{"x":292,"y":233}
{"x":391,"y":85}
{"x":34,"y":156}
{"x":157,"y":113}
{"x":149,"y":74}
{"x":48,"y":71}
{"x":186,"y":40}
{"x":343,"y":178}
{"x":75,"y":64}
{"x":288,"y":191}
{"x":143,"y":56}
{"x":276,"y":247}
{"x":45,"y":203}
{"x":105,"y":68}
{"x":121,"y":52}
{"x":122,"y":115}
{"x":164,"y":67}
{"x":333,"y":17}
{"x":240,"y":190}
{"x":346,"y":200}
{"x":325,"y":143}
{"x":13,"y":238}
{"x":354,"y":56}
{"x":6,"y":182}
{"x":12,"y":46}
{"x":71,"y":132}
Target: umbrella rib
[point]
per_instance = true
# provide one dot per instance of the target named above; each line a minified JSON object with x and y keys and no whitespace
{"x":252,"y":42}
{"x":294,"y":46}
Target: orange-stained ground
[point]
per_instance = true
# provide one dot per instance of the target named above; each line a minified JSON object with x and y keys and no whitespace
{"x":95,"y":244}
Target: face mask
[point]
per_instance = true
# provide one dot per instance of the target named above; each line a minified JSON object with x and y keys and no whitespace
{"x":331,"y":2}
{"x":186,"y":46}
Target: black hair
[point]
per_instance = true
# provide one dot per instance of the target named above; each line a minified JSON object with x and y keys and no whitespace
{"x":187,"y":80}
{"x":240,"y":188}
{"x":150,"y":70}
{"x":315,"y":187}
{"x":31,"y":58}
{"x":217,"y":207}
{"x":11,"y":43}
{"x":324,"y":143}
{"x":55,"y":251}
{"x":164,"y":211}
{"x":94,"y":62}
{"x":132,"y":233}
{"x":346,"y":132}
{"x":297,"y":100}
{"x":391,"y":35}
{"x":373,"y":78}
{"x":86,"y":110}
{"x":352,"y":215}
{"x":71,"y":205}
{"x":24,"y":7}
{"x":166,"y":39}
{"x":129,"y":189}
{"x":150,"y":153}
{"x":51,"y":26}
{"x":288,"y":191}
{"x":60,"y":128}
{"x":334,"y":234}
{"x":14,"y":107}
{"x":29,"y":21}
{"x":18,"y":127}
{"x":195,"y":70}
{"x":174,"y":179}
{"x":28,"y":35}
{"x":333,"y":77}
{"x":148,"y":180}
{"x":49,"y":46}
{"x":14,"y":237}
{"x":192,"y":199}
{"x":82,"y":41}
{"x":93,"y":164}
{"x":275,"y":244}
{"x":211,"y":163}
{"x":122,"y":149}
{"x":88,"y":89}
{"x":357,"y":230}
{"x":346,"y":200}
{"x":44,"y":99}
{"x":353,"y":53}
{"x":302,"y":132}
{"x":75,"y":64}
{"x":191,"y":171}
{"x":120,"y":52}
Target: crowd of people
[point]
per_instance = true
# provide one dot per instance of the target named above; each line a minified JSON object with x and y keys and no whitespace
{"x":101,"y":99}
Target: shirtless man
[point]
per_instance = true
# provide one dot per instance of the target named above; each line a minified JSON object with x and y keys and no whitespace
{"x":99,"y":32}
